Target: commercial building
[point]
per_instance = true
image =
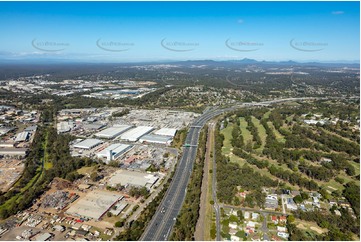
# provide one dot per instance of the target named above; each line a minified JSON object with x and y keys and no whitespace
{"x":65,"y":126}
{"x":113,"y":151}
{"x":95,"y":204}
{"x":31,"y":128}
{"x":13,"y":152}
{"x":158,"y":139}
{"x":21,"y":137}
{"x":111,"y":133}
{"x":133,"y":178}
{"x":166,"y":132}
{"x":134,"y":134}
{"x":88,"y":144}
{"x":43,"y":237}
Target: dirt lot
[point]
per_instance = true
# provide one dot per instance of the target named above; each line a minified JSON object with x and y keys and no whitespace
{"x":10,"y":171}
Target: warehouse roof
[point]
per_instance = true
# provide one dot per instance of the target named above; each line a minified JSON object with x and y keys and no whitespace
{"x":115,"y":148}
{"x":133,"y":178}
{"x":21,"y":136}
{"x":136,"y":133}
{"x":95,"y":204}
{"x":113,"y":131}
{"x":166,"y":132}
{"x":43,"y":237}
{"x":13,"y":151}
{"x":152,"y":138}
{"x":88,"y":143}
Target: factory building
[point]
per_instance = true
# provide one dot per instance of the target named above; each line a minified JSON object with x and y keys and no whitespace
{"x":22,"y":137}
{"x":166,"y":132}
{"x":95,"y":204}
{"x":13,"y":152}
{"x":88,"y":144}
{"x":114,"y":151}
{"x":63,"y":127}
{"x":133,"y":178}
{"x":134,"y":134}
{"x":111,"y":133}
{"x":157,"y":139}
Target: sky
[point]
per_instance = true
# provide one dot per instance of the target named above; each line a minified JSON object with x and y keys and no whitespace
{"x":158,"y":31}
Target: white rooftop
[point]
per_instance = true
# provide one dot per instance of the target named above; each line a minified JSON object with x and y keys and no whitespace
{"x":88,"y":143}
{"x":21,"y":136}
{"x":133,"y":178}
{"x":113,"y":131}
{"x":94,"y":204}
{"x":152,"y":138}
{"x":115,"y":148}
{"x":136,"y":133}
{"x":166,"y":132}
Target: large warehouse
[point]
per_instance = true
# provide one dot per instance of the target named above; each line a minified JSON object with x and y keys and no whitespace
{"x":134,"y":134}
{"x":111,"y":133}
{"x":88,"y":144}
{"x":95,"y":204}
{"x":132,"y":178}
{"x":21,"y":137}
{"x":166,"y":132}
{"x":113,"y":151}
{"x":158,"y":139}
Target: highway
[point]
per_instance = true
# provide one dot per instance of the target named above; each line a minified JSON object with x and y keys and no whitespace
{"x":161,"y":225}
{"x":163,"y":221}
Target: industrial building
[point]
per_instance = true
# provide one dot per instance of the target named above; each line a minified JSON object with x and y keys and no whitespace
{"x":22,"y":137}
{"x":111,"y":133}
{"x":95,"y":204}
{"x":134,"y":134}
{"x":13,"y":152}
{"x":166,"y":132}
{"x":113,"y":151}
{"x":88,"y":144}
{"x":65,"y":126}
{"x":132,"y":178}
{"x":158,"y":139}
{"x":43,"y":237}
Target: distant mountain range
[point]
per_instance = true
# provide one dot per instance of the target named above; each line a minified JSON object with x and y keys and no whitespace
{"x":245,"y":61}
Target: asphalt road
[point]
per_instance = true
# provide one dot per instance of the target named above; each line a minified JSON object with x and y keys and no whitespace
{"x":163,"y":221}
{"x":214,"y":195}
{"x":161,"y":225}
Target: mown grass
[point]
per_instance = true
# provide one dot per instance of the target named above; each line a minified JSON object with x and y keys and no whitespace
{"x":245,"y":132}
{"x":261,"y":132}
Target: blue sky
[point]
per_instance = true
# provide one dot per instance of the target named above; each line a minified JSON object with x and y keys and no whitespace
{"x":152,"y":31}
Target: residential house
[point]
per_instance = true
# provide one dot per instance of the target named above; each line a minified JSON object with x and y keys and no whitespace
{"x":255,"y":216}
{"x":233,"y":225}
{"x":274,"y":219}
{"x":283,"y":219}
{"x":235,"y":238}
{"x":281,"y":229}
{"x":246,"y":215}
{"x":283,"y":235}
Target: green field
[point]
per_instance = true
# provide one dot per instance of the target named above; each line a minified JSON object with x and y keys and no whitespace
{"x":245,"y":132}
{"x":261,"y":132}
{"x":227,"y":146}
{"x":47,"y":164}
{"x":279,"y":137}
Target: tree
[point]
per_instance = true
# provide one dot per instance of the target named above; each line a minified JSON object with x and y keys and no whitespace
{"x":94,"y":176}
{"x":240,"y":215}
{"x":290,"y":218}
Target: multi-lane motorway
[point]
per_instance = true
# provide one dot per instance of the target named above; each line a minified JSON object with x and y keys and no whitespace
{"x":163,"y":221}
{"x":161,"y":225}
